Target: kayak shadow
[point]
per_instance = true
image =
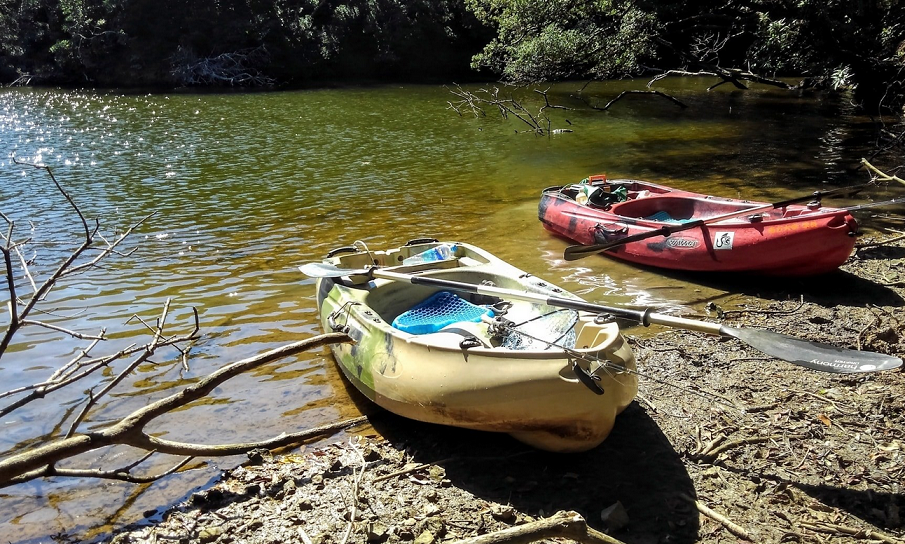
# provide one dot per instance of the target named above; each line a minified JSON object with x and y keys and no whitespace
{"x":636,"y":466}
{"x":834,"y":288}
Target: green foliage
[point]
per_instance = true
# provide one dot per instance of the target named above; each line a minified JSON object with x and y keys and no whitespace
{"x":539,"y":39}
{"x":858,"y":45}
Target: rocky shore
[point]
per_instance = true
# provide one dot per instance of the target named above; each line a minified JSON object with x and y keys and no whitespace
{"x":722,"y":445}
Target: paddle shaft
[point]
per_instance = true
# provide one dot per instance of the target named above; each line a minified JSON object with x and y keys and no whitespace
{"x":813,"y":355}
{"x":645,"y":317}
{"x":578,"y":252}
{"x":900,"y":200}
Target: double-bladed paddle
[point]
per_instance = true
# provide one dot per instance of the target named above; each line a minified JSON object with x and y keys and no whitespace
{"x":813,"y":355}
{"x":573,"y":253}
{"x":900,"y":200}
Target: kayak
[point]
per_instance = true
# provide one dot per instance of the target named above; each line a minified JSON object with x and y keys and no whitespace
{"x":791,"y":240}
{"x":551,"y":377}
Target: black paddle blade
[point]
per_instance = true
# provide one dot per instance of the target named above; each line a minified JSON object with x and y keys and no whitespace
{"x":813,"y":355}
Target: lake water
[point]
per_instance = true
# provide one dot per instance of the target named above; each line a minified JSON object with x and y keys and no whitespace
{"x":246,"y":187}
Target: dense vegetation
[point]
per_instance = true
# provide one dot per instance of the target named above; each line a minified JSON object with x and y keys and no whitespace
{"x":836,"y":43}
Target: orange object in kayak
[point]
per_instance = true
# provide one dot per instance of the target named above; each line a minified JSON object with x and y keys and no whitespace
{"x":790,"y":240}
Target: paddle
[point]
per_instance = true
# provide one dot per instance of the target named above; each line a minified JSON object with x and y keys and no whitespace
{"x":900,"y":200}
{"x":813,"y":355}
{"x":573,"y":253}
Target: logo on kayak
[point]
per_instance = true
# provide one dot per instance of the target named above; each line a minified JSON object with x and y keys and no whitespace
{"x":723,"y":240}
{"x":682,"y":242}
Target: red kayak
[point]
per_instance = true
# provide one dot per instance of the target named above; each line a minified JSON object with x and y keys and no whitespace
{"x":727,"y":235}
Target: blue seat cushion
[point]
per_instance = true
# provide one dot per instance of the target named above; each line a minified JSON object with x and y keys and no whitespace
{"x":437,"y":311}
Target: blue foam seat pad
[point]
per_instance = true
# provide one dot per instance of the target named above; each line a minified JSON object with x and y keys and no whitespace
{"x":437,"y":311}
{"x":664,"y":217}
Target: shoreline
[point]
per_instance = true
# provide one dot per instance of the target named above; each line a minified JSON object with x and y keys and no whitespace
{"x":814,"y":457}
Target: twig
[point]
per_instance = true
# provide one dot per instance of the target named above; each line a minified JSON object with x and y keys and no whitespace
{"x":714,"y":453}
{"x":829,"y":528}
{"x":73,"y":334}
{"x":407,"y":470}
{"x":568,"y":525}
{"x":767,"y":312}
{"x":881,"y":175}
{"x":733,"y":528}
{"x":880,"y":243}
{"x":123,"y":474}
{"x":673,"y":99}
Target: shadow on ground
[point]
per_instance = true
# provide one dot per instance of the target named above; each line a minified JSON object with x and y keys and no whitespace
{"x":835,"y":288}
{"x":636,"y":465}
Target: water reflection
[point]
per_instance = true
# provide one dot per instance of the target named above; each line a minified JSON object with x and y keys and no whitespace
{"x":247,"y":187}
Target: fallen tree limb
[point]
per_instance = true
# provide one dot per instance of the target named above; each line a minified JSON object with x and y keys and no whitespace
{"x":41,"y":461}
{"x":565,"y":524}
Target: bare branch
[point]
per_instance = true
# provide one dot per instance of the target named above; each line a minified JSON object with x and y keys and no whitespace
{"x":110,"y":248}
{"x":73,"y":334}
{"x":149,"y":350}
{"x":673,"y":99}
{"x":568,"y":525}
{"x":881,"y":175}
{"x":130,"y":430}
{"x":62,"y":191}
{"x":123,"y":474}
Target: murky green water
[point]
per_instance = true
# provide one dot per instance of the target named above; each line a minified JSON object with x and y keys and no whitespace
{"x":247,"y":187}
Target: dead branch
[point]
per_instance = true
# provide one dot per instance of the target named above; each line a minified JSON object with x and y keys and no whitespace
{"x":673,"y":99}
{"x":882,"y":242}
{"x":841,"y":530}
{"x":881,"y":175}
{"x":568,"y":525}
{"x":538,"y":123}
{"x":18,"y":316}
{"x":130,"y":431}
{"x":235,"y":69}
{"x":42,"y":461}
{"x":733,"y":527}
{"x":735,"y":76}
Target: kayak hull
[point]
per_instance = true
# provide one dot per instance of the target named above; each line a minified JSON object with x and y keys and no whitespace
{"x":534,"y":395}
{"x":797,"y":240}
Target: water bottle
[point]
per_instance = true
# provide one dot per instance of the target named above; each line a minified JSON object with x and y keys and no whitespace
{"x":438,"y":253}
{"x":584,"y":194}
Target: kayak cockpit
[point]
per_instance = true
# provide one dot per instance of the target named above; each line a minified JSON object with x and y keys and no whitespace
{"x":538,"y":328}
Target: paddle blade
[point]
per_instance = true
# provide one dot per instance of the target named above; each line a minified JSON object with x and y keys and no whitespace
{"x":325,"y":270}
{"x":813,"y":355}
{"x":573,"y":253}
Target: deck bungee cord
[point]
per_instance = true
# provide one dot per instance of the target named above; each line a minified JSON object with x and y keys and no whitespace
{"x":589,"y":377}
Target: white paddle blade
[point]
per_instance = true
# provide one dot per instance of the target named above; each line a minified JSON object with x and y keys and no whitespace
{"x":325,"y":270}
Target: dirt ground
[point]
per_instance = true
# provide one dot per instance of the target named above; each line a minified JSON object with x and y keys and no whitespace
{"x":813,"y":457}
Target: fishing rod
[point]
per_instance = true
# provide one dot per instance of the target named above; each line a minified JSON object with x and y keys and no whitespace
{"x":799,"y":352}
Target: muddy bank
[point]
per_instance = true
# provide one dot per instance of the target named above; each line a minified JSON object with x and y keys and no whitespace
{"x":781,"y":453}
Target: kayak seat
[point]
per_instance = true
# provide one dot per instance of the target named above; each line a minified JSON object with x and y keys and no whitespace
{"x":676,"y":209}
{"x":437,"y":311}
{"x":664,"y":217}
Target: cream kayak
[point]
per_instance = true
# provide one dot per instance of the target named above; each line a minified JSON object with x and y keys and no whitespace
{"x":550,"y":377}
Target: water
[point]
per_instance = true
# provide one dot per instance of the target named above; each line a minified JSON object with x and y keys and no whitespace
{"x":244,"y":188}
